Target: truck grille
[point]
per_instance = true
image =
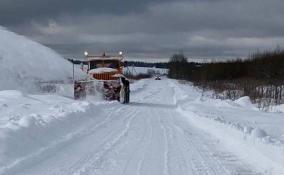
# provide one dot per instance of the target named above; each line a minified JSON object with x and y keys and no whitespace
{"x":104,"y":76}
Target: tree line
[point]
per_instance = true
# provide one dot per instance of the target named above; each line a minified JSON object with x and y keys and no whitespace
{"x":145,"y":64}
{"x":260,"y":76}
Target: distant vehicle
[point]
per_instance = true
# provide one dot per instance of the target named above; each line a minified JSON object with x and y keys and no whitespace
{"x":157,"y":77}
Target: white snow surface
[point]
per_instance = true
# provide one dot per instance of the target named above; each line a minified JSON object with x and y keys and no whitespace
{"x":24,"y":62}
{"x":102,"y":70}
{"x":168,"y":128}
{"x":245,"y":102}
{"x":277,"y":108}
{"x":144,"y":70}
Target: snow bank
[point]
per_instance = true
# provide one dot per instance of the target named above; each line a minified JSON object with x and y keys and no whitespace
{"x":255,"y":136}
{"x":267,"y":158}
{"x":245,"y":102}
{"x":31,"y":124}
{"x":17,"y":110}
{"x":24,"y":62}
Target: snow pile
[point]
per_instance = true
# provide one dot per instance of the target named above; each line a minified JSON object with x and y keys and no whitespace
{"x":102,"y":70}
{"x":24,"y":62}
{"x":245,"y":102}
{"x":18,"y":110}
{"x":258,"y":133}
{"x":30,"y":124}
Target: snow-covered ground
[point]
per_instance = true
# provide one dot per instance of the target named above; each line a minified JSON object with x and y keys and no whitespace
{"x":144,"y":70}
{"x":24,"y":63}
{"x":252,"y":134}
{"x":168,"y":128}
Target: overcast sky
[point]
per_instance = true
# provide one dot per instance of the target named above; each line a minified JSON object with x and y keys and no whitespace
{"x":149,"y":28}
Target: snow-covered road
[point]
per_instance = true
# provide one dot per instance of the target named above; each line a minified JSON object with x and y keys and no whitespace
{"x":147,"y":137}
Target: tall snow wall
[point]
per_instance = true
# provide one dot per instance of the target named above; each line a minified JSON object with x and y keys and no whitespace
{"x":24,"y":63}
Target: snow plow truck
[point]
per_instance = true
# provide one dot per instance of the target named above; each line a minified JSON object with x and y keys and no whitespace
{"x":105,"y":77}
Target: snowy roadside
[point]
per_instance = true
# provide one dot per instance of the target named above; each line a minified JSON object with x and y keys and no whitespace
{"x":139,"y":85}
{"x":144,"y":70}
{"x":30,"y":124}
{"x":255,"y":136}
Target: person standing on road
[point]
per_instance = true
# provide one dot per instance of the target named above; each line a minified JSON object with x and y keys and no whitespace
{"x":127,"y":91}
{"x":124,"y":91}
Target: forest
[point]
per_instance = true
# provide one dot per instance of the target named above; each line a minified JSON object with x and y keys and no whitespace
{"x":260,"y":76}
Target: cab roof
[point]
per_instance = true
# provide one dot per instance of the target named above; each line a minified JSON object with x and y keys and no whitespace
{"x":104,"y":57}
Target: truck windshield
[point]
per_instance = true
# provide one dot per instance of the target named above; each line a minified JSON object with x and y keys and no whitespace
{"x":107,"y":63}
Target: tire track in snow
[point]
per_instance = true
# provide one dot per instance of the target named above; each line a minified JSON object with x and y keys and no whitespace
{"x":207,"y":159}
{"x":131,"y":152}
{"x":87,"y":159}
{"x":56,"y":145}
{"x":176,"y":153}
{"x":145,"y":140}
{"x":141,"y":161}
{"x":166,"y":147}
{"x":103,"y":124}
{"x":97,"y":159}
{"x":127,"y":155}
{"x":106,"y":139}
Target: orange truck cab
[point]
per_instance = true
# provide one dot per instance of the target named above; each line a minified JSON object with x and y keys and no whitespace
{"x":104,"y":67}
